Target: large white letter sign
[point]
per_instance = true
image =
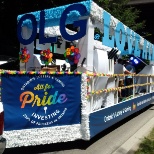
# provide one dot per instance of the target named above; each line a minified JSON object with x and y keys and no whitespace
{"x":105,"y":39}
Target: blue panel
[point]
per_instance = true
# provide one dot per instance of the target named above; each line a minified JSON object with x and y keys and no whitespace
{"x":102,"y":119}
{"x":41,"y":101}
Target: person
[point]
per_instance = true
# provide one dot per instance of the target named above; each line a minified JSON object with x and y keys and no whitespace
{"x":129,"y":79}
{"x":119,"y":68}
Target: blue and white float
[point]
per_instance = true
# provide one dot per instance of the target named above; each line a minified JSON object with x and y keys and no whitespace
{"x":44,"y":107}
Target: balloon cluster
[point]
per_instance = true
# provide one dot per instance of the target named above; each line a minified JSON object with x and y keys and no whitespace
{"x":72,"y":55}
{"x":46,"y":56}
{"x":24,"y":55}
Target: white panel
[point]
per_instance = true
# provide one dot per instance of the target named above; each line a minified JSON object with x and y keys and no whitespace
{"x":37,"y":63}
{"x":99,"y":83}
{"x":86,"y":46}
{"x":103,"y":99}
{"x":101,"y":62}
{"x":110,"y":96}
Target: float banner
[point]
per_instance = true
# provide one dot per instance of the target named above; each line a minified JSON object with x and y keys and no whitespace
{"x":102,"y":119}
{"x":37,"y":101}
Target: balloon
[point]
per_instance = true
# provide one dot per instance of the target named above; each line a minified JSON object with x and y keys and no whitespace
{"x":68,"y":53}
{"x":46,"y":56}
{"x":72,"y":55}
{"x":71,"y":62}
{"x":24,"y":55}
{"x":78,"y":56}
{"x":68,"y":49}
{"x":76,"y":61}
{"x":65,"y":54}
{"x":72,"y":48}
{"x":28,"y":56}
{"x":76,"y":50}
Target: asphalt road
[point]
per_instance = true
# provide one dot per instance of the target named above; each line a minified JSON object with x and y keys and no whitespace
{"x":113,"y":140}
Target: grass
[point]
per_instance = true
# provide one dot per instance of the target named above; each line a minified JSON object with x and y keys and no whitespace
{"x":147,"y":145}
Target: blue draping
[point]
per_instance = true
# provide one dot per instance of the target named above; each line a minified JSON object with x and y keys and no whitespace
{"x":37,"y":101}
{"x":103,"y":119}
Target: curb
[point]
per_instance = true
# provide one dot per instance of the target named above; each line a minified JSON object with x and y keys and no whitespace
{"x":132,"y":144}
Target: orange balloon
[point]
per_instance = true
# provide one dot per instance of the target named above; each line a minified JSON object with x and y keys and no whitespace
{"x":72,"y":48}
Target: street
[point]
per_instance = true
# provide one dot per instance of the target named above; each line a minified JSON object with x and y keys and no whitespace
{"x":107,"y":142}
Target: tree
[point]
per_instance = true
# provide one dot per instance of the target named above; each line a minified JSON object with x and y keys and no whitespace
{"x":125,"y":13}
{"x":11,"y":9}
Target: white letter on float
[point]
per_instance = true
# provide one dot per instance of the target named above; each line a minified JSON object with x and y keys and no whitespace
{"x":105,"y":39}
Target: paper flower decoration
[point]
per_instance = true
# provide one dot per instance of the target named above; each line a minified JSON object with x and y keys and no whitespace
{"x":46,"y":56}
{"x":72,"y":55}
{"x":24,"y":55}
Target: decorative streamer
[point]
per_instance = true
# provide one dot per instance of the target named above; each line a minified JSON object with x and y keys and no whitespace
{"x":37,"y":72}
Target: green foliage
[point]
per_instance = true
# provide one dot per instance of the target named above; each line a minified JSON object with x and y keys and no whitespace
{"x":147,"y":146}
{"x":120,"y":9}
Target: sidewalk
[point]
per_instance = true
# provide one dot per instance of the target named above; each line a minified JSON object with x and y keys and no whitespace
{"x":132,"y":144}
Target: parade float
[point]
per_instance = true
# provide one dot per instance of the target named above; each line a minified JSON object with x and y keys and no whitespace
{"x":44,"y":106}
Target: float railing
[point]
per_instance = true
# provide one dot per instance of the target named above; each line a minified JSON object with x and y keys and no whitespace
{"x":139,"y":87}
